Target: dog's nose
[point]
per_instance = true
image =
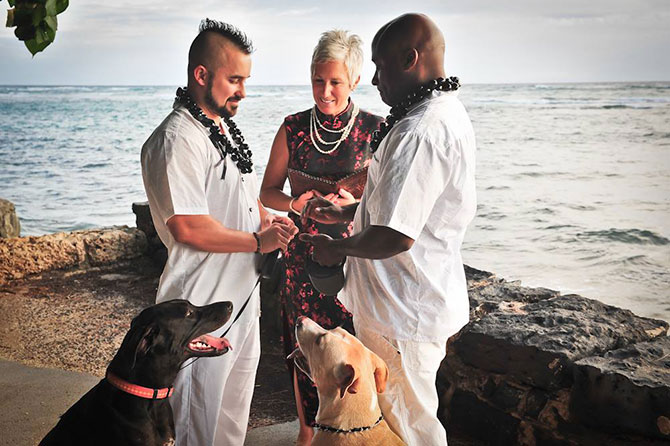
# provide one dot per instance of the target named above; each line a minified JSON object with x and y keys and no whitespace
{"x":298,"y":323}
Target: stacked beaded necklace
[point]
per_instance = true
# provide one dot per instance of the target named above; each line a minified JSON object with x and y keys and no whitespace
{"x":399,"y":111}
{"x":240,"y":154}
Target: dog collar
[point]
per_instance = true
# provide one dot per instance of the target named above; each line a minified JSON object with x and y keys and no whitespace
{"x":325,"y":428}
{"x":134,"y":389}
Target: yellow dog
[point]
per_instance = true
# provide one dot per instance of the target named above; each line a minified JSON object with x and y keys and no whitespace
{"x":348,"y":377}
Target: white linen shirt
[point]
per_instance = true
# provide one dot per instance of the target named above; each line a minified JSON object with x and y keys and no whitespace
{"x":181,"y":170}
{"x":421,"y":182}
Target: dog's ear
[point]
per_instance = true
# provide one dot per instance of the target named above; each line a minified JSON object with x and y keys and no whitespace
{"x":381,"y":372}
{"x":346,"y":379}
{"x":145,"y":343}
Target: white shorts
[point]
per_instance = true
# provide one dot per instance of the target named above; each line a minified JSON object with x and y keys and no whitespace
{"x":410,"y":400}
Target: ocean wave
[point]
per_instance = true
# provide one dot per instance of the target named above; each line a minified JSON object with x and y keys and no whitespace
{"x":629,"y":236}
{"x":555,"y":227}
{"x":493,"y":215}
{"x":542,"y":174}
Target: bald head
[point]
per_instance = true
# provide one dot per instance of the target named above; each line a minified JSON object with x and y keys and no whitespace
{"x":411,"y":47}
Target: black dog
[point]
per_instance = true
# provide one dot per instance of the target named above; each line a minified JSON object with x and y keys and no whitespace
{"x":160,"y":339}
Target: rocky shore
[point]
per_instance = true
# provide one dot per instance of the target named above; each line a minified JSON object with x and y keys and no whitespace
{"x":533,"y":367}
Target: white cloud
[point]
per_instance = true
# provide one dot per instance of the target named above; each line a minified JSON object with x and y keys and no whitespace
{"x":146,"y":41}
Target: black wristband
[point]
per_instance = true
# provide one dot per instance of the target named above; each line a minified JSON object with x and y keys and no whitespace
{"x":258,"y":241}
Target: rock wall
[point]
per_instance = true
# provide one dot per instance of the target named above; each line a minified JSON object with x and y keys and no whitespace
{"x":534,"y":367}
{"x":23,"y":256}
{"x":155,"y":248}
{"x":9,"y":221}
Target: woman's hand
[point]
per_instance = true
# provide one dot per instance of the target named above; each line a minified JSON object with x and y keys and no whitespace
{"x":299,"y":203}
{"x":344,"y":198}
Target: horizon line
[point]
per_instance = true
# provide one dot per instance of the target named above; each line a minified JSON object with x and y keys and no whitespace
{"x":367,"y":86}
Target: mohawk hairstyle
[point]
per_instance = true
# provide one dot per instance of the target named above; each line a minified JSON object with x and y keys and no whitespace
{"x":234,"y":35}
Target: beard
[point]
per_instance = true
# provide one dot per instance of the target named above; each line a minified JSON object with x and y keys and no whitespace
{"x":227,"y":110}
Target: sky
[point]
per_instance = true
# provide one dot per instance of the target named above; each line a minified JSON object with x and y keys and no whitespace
{"x":145,"y":42}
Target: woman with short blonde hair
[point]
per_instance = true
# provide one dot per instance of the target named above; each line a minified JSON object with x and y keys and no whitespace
{"x":342,"y":46}
{"x":315,"y":149}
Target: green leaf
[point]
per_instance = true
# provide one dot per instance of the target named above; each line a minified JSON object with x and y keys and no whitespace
{"x":25,"y":32}
{"x":44,"y":34}
{"x":51,"y":22}
{"x":61,"y":5}
{"x":11,"y":3}
{"x":23,"y":16}
{"x":51,"y":33}
{"x":51,"y":7}
{"x":39,"y":12}
{"x":35,"y":47}
{"x":10,"y":18}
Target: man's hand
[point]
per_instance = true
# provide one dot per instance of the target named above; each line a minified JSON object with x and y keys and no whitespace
{"x":276,"y":233}
{"x":321,"y":210}
{"x":324,"y":252}
{"x":274,"y":218}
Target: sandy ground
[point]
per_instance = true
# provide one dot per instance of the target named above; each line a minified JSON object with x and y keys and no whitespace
{"x":69,"y":325}
{"x":75,"y":320}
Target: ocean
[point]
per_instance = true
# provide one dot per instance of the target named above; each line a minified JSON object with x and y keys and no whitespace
{"x":573,"y":179}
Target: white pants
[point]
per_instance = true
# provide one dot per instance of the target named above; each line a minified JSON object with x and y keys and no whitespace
{"x":212,"y":397}
{"x":410,"y":401}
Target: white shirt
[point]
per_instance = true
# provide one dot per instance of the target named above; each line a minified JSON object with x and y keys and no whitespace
{"x":182,"y":170}
{"x":421,"y":183}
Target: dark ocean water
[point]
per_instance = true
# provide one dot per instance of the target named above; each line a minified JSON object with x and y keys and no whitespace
{"x":573,"y":179}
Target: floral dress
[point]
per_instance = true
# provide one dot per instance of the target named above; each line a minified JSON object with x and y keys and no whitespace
{"x":298,"y":297}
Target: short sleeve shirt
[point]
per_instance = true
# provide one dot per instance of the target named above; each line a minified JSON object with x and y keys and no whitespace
{"x":421,"y":183}
{"x":182,"y":173}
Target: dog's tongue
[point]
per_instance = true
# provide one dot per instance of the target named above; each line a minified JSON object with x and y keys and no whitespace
{"x":217,"y":343}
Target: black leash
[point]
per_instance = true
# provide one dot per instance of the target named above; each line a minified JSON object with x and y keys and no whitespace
{"x":239,"y":313}
{"x":246,"y":302}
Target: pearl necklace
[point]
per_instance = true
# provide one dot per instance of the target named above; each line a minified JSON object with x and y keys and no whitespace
{"x":313,"y":130}
{"x":399,"y":111}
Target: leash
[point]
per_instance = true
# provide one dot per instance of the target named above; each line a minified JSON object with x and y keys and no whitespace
{"x":246,"y":302}
{"x":239,"y":313}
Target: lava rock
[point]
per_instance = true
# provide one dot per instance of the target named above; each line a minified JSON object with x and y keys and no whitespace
{"x":626,"y":390}
{"x":537,"y":343}
{"x":155,"y":248}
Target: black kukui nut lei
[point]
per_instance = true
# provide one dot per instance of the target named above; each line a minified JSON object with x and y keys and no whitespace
{"x":241,"y":155}
{"x":399,"y":110}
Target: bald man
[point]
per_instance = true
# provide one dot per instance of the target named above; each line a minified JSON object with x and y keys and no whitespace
{"x":405,"y":283}
{"x":202,"y":194}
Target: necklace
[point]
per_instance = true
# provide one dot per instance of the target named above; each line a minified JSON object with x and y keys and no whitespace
{"x":399,"y":110}
{"x":239,"y":153}
{"x":322,"y":127}
{"x":313,"y":130}
{"x":323,"y":427}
